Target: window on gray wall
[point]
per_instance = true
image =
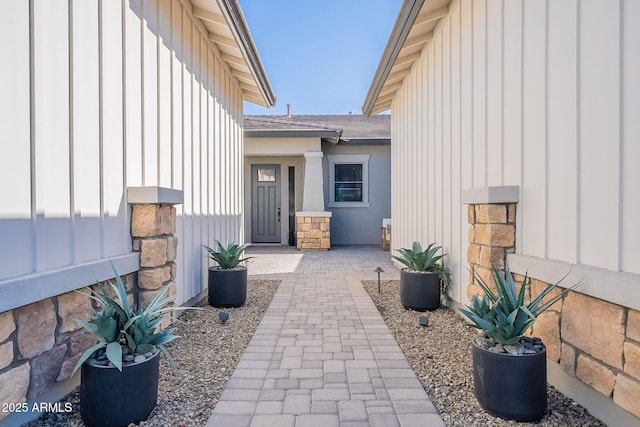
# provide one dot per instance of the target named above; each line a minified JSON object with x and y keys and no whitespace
{"x":348,"y":180}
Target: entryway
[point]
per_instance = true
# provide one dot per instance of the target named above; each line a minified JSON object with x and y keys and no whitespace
{"x":265,"y":204}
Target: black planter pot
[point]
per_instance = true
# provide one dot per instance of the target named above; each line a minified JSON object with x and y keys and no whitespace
{"x":419,"y":291}
{"x":227,"y":288}
{"x":110,"y":398}
{"x":511,"y":387}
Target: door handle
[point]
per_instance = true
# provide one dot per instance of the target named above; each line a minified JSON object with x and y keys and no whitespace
{"x":278,"y":214}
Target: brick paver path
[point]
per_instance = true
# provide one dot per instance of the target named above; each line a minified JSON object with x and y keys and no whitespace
{"x":322,"y":355}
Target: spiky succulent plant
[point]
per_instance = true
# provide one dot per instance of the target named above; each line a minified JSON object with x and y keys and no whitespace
{"x":426,"y":260}
{"x":227,"y":257}
{"x":116,"y":323}
{"x":503,"y":314}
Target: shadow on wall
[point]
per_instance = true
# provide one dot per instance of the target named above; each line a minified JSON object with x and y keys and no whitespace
{"x":159,"y":22}
{"x":31,"y":245}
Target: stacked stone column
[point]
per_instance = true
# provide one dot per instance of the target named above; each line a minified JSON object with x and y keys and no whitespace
{"x":313,"y":231}
{"x":492,"y":232}
{"x":152,"y":228}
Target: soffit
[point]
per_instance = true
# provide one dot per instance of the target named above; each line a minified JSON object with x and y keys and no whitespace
{"x":412,"y":31}
{"x":228,"y":32}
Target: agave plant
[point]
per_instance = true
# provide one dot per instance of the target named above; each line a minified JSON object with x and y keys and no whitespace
{"x":229,"y":257}
{"x":426,"y":260}
{"x":503,"y":315}
{"x":117,"y":323}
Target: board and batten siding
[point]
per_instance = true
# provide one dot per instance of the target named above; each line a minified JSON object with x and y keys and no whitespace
{"x":539,"y":94}
{"x":105,"y":95}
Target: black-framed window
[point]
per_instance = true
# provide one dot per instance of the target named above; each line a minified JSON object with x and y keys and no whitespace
{"x":348,"y":182}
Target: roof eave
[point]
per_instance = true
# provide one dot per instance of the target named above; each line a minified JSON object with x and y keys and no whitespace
{"x":366,"y":141}
{"x":292,"y":133}
{"x":401,"y":28}
{"x":238,"y":26}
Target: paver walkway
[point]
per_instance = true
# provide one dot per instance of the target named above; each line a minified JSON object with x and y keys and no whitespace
{"x":322,"y":355}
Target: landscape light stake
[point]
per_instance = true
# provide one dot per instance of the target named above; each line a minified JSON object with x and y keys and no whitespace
{"x":379,"y":270}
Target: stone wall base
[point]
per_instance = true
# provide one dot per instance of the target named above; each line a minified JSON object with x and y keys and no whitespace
{"x":41,"y":343}
{"x":595,"y":341}
{"x":313,"y":232}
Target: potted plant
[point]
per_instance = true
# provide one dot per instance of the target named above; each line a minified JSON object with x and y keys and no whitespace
{"x":424,"y":280}
{"x":509,"y":369}
{"x":119,"y":374}
{"x":227,"y":280}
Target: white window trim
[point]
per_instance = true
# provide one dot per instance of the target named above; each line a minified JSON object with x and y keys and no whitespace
{"x":362,"y":159}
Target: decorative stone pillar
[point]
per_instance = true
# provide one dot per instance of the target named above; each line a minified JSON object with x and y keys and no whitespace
{"x":153,"y":225}
{"x":313,"y":230}
{"x":313,"y":224}
{"x":491,"y":214}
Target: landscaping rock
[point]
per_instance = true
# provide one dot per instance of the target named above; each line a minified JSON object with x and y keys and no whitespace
{"x":440,"y":355}
{"x":206,"y":353}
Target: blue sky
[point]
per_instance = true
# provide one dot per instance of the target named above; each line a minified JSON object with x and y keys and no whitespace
{"x":320,"y":55}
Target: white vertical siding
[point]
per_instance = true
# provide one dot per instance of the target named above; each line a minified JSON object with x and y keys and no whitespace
{"x":538,"y":94}
{"x":118,"y":94}
{"x":630,"y":148}
{"x":114,"y":210}
{"x":562,"y":141}
{"x":133,"y":98}
{"x":599,"y":141}
{"x":534,"y":146}
{"x":494,"y":114}
{"x":479,"y":91}
{"x":458,"y":213}
{"x":85,"y":132}
{"x":51,"y":147}
{"x":512,"y":92}
{"x":165,"y":135}
{"x":149,"y":46}
{"x":15,"y":162}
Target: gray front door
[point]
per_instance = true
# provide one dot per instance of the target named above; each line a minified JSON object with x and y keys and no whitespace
{"x":265,"y":204}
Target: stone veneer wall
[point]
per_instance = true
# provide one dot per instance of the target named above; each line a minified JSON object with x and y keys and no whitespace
{"x":596,"y":341}
{"x":40,"y":343}
{"x":313,"y":232}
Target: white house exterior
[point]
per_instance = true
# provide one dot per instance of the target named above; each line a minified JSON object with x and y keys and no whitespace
{"x":104,"y":104}
{"x":532,"y":104}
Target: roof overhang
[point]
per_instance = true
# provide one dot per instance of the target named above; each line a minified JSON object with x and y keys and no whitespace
{"x":412,"y":30}
{"x":271,"y":127}
{"x":229,"y":34}
{"x":330,"y":135}
{"x":366,"y":141}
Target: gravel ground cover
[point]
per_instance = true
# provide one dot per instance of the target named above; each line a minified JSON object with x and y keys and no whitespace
{"x":207,"y":353}
{"x":440,"y":355}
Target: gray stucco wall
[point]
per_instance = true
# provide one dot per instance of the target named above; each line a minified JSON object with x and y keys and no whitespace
{"x":361,"y":226}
